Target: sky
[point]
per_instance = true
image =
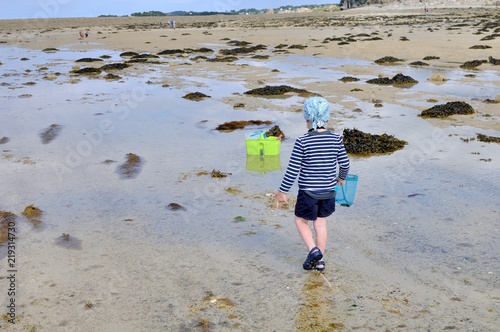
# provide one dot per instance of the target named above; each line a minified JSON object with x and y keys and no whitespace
{"x":21,"y":9}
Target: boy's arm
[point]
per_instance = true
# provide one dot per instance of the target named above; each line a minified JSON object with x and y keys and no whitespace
{"x":343,"y":162}
{"x":293,"y":168}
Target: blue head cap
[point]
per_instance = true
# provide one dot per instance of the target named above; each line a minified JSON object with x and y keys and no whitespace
{"x":317,"y":111}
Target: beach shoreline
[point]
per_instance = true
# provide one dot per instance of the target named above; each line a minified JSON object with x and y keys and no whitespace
{"x":417,"y":250}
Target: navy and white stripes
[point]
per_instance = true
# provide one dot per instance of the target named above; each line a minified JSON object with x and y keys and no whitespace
{"x":314,"y":159}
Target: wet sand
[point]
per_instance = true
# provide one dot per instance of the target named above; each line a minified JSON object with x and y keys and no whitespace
{"x":135,"y":234}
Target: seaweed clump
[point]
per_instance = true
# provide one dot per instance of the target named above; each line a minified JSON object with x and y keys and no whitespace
{"x":128,"y":54}
{"x":87,"y":71}
{"x":223,"y":59}
{"x":88,"y":60}
{"x":274,"y":90}
{"x":450,"y":108}
{"x":132,"y":166}
{"x":49,"y":134}
{"x":33,"y":214}
{"x":493,"y":61}
{"x":216,"y":174}
{"x":276,"y":131}
{"x":472,"y":64}
{"x":171,"y":52}
{"x":233,"y":125}
{"x":175,"y":206}
{"x":115,"y":66}
{"x":397,"y":80}
{"x":479,"y":47}
{"x":388,"y":59}
{"x":7,"y":219}
{"x":418,"y":63}
{"x":69,"y":242}
{"x":243,"y":50}
{"x":347,"y":79}
{"x":358,"y":142}
{"x":196,"y":96}
{"x":111,"y":77}
{"x":488,"y":139}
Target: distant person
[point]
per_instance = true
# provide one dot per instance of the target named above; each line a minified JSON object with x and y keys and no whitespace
{"x":314,"y":160}
{"x":82,"y":35}
{"x":173,"y":24}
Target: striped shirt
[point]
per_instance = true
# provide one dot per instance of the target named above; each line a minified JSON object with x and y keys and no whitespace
{"x":315,"y":157}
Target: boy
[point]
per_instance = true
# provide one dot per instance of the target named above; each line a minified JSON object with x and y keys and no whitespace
{"x":314,"y":160}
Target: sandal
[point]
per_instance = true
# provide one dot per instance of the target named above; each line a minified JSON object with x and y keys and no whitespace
{"x":312,"y":259}
{"x":320,"y":266}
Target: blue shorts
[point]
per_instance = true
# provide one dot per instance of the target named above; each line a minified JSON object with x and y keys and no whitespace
{"x":310,"y":208}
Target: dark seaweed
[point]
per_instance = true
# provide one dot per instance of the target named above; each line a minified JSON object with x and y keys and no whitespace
{"x":115,"y":66}
{"x":357,"y":142}
{"x":274,"y":90}
{"x":243,"y":50}
{"x":346,"y":79}
{"x":488,"y":139}
{"x":397,"y":80}
{"x":388,"y":59}
{"x":87,"y":71}
{"x":88,"y":60}
{"x":49,"y":134}
{"x":419,"y":63}
{"x":128,"y":54}
{"x":132,"y":166}
{"x":233,"y":125}
{"x":223,"y":59}
{"x":196,"y":96}
{"x":493,"y":61}
{"x":175,"y":207}
{"x":171,"y":52}
{"x":276,"y":131}
{"x":69,"y":242}
{"x":445,"y":110}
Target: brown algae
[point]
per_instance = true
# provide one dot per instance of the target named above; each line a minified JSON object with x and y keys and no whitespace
{"x":132,"y":166}
{"x":218,"y":174}
{"x":233,"y":125}
{"x":32,"y":212}
{"x":69,"y":242}
{"x":50,"y":133}
{"x":275,"y":90}
{"x":175,"y":207}
{"x":7,"y":220}
{"x":488,"y":139}
{"x":196,"y":96}
{"x":450,"y":108}
{"x":358,"y":142}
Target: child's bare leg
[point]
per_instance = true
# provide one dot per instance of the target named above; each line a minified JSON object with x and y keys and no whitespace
{"x":321,"y":233}
{"x":305,"y":232}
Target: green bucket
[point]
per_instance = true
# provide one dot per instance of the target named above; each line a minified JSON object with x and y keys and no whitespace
{"x":257,"y":144}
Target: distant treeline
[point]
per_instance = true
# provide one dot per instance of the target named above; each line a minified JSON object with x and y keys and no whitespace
{"x":232,"y":12}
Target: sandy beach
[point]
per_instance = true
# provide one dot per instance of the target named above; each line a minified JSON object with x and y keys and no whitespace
{"x":121,"y":225}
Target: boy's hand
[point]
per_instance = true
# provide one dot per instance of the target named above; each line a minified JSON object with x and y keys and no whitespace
{"x":280,"y":198}
{"x":340,"y":182}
